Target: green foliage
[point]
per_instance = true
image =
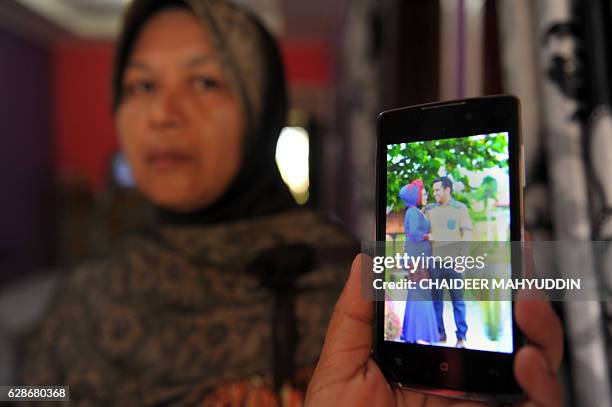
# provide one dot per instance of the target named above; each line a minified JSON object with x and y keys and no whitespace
{"x":423,"y":160}
{"x":487,"y":189}
{"x":491,"y":314}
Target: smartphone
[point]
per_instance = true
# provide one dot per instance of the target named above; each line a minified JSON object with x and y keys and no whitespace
{"x":459,"y":167}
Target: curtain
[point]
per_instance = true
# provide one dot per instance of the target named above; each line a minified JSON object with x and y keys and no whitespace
{"x":555,"y":56}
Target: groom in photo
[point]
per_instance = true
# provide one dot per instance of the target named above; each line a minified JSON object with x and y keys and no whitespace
{"x":450,"y":222}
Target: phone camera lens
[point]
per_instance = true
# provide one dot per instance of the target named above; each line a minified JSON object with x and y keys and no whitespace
{"x":468,"y":116}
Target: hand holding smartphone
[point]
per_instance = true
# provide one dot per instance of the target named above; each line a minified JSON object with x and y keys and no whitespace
{"x":348,"y":373}
{"x":450,"y":171}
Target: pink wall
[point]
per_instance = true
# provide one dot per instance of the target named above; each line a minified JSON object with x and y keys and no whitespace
{"x":307,"y":63}
{"x":81,"y":109}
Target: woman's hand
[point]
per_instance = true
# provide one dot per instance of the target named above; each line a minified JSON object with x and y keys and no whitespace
{"x":346,"y":375}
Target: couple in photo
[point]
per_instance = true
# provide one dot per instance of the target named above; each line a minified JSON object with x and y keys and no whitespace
{"x":445,"y":220}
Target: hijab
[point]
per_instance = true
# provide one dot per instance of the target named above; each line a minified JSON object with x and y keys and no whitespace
{"x":412,"y":194}
{"x":253,"y":66}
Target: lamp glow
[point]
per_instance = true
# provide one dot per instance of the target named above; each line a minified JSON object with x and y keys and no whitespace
{"x":292,"y":151}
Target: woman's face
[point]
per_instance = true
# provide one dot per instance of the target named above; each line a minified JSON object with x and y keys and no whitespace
{"x":424,"y":197}
{"x":179,"y":123}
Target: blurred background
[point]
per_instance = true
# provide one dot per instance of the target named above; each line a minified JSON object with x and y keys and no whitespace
{"x":66,"y":192}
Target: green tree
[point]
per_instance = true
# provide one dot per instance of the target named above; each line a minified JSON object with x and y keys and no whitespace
{"x":423,"y":160}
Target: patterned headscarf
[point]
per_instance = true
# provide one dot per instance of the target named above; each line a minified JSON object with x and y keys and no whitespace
{"x":412,"y":194}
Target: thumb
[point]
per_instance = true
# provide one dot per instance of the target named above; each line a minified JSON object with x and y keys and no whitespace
{"x":348,"y":342}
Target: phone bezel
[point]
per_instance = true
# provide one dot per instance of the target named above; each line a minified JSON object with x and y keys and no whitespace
{"x":421,"y":365}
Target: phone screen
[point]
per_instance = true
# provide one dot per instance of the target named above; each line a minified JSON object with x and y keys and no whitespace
{"x":440,"y":191}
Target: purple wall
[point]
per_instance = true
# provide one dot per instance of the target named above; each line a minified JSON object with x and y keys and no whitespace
{"x":26,"y":163}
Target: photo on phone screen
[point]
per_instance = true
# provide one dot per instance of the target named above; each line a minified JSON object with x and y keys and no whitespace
{"x":454,"y":189}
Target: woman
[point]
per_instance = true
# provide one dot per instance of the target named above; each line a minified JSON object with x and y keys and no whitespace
{"x":226,"y":299}
{"x":419,"y":318}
